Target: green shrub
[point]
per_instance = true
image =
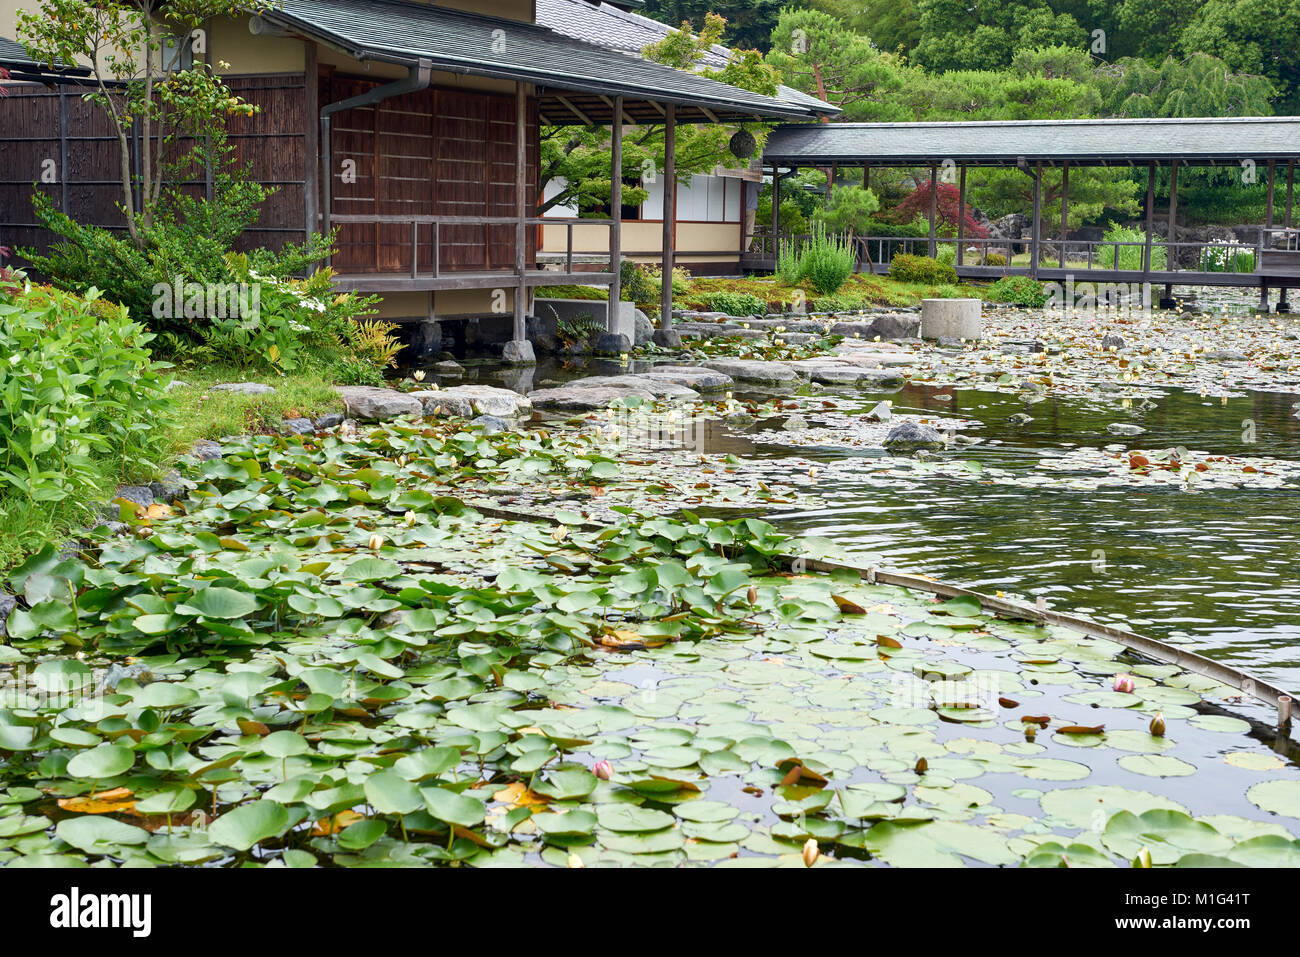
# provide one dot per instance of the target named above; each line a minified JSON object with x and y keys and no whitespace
{"x":212,"y":305}
{"x":574,"y":292}
{"x":636,"y":285}
{"x":946,"y":254}
{"x":995,"y":259}
{"x":735,"y":304}
{"x":1020,"y":290}
{"x":842,"y":302}
{"x":1130,"y":257}
{"x":828,"y":260}
{"x":82,"y":395}
{"x":921,"y":269}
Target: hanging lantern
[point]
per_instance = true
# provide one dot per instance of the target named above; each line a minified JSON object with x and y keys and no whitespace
{"x":743,"y":144}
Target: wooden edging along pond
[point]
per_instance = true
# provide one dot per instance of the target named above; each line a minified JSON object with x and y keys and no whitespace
{"x":1265,"y":691}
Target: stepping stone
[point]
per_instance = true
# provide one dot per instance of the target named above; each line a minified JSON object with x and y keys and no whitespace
{"x":658,"y":386}
{"x":243,"y":388}
{"x":370,"y":404}
{"x":468,"y":401}
{"x":755,"y":371}
{"x":693,"y":377}
{"x":590,"y":398}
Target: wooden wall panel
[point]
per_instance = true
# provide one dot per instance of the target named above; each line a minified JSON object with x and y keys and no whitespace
{"x":271,"y":143}
{"x":438,"y":152}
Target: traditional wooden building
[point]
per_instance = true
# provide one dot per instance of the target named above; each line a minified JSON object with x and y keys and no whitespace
{"x":714,"y":218}
{"x":410,"y":127}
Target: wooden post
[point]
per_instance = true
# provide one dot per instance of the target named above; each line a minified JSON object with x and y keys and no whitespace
{"x":1290,"y":186}
{"x":934,"y":208}
{"x":961,"y":215}
{"x":615,"y":213}
{"x":1268,"y":207}
{"x":776,"y":210}
{"x":1150,"y":220}
{"x":311,"y":173}
{"x":1037,"y":224}
{"x":670,"y":215}
{"x":1283,"y":305}
{"x":866,"y":177}
{"x":521,"y":231}
{"x":1065,"y":208}
{"x":1171,"y":253}
{"x":63,"y":150}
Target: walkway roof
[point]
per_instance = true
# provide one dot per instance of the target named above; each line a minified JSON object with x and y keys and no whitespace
{"x":1195,"y":141}
{"x":575,"y":80}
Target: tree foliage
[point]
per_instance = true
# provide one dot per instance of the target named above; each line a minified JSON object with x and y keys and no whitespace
{"x":576,"y":161}
{"x":135,"y":49}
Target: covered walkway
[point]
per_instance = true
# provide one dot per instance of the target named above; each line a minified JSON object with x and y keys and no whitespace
{"x":1265,"y":148}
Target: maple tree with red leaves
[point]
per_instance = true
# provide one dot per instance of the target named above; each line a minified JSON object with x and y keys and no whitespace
{"x":947,"y":209}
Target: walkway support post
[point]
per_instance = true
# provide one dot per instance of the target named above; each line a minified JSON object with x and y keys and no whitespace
{"x":615,"y":213}
{"x":1171,"y":251}
{"x":934,"y":209}
{"x":776,"y":211}
{"x":521,"y":198}
{"x":1282,"y":304}
{"x":961,"y":215}
{"x":1065,"y":208}
{"x":1036,"y":227}
{"x":1150,"y":226}
{"x":670,"y":214}
{"x":1264,"y":237}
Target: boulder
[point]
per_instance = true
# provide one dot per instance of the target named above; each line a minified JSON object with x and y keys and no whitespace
{"x":206,"y":449}
{"x":449,"y":367}
{"x":667,"y":339}
{"x":371,"y":404}
{"x":613,"y":344}
{"x":298,"y":426}
{"x":1112,"y":340}
{"x":170,"y":488}
{"x":468,"y":401}
{"x":645,"y":329}
{"x":894,"y":325}
{"x":330,"y":420}
{"x":490,"y":424}
{"x":7,"y":604}
{"x":243,"y":388}
{"x":519,"y":352}
{"x":912,"y":436}
{"x":755,"y":371}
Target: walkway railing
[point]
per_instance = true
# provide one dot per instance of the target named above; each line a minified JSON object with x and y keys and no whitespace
{"x":435,"y":268}
{"x":1275,"y":249}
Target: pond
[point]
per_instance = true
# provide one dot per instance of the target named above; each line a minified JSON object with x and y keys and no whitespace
{"x":1212,"y":569}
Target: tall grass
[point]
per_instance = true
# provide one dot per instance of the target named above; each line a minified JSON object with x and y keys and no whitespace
{"x":1130,"y":257}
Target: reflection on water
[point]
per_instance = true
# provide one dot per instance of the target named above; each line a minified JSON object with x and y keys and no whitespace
{"x":1213,"y":568}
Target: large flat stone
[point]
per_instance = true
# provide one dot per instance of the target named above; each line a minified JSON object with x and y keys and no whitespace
{"x":755,"y":371}
{"x":370,"y":404}
{"x":832,"y":372}
{"x":693,"y":377}
{"x":576,"y":398}
{"x":658,"y":386}
{"x":469,"y":401}
{"x":243,"y":388}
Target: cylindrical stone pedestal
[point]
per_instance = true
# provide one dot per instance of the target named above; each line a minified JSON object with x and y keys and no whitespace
{"x":951,"y":319}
